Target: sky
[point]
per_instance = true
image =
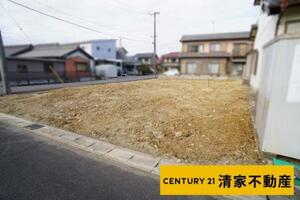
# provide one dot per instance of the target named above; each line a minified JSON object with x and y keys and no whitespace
{"x":126,"y":19}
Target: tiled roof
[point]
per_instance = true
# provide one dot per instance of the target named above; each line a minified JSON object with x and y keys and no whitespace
{"x":144,"y":55}
{"x":216,"y":36}
{"x":48,"y":50}
{"x":12,"y":50}
{"x":171,"y":55}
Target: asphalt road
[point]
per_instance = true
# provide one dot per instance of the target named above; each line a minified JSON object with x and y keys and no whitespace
{"x":33,"y":167}
{"x":35,"y":88}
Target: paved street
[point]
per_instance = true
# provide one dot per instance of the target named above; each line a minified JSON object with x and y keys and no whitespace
{"x":32,"y":167}
{"x":34,"y":88}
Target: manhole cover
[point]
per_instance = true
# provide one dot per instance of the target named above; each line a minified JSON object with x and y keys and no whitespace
{"x":34,"y":126}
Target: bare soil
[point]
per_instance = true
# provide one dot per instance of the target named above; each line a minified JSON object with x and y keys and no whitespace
{"x":186,"y":119}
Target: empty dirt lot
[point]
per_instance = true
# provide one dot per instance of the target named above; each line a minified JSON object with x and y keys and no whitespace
{"x":185,"y":119}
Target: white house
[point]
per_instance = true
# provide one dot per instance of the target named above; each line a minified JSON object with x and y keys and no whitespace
{"x":277,"y":18}
{"x":273,"y":70}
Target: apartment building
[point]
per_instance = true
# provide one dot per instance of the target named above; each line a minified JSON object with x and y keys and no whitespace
{"x":220,"y":54}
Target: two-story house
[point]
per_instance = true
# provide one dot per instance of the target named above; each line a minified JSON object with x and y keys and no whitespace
{"x":218,"y":54}
{"x":99,"y":49}
{"x":170,"y":61}
{"x":134,"y":64}
{"x":102,"y":51}
{"x":277,"y":19}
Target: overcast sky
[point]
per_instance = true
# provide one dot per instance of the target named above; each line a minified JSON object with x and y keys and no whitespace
{"x":129,"y":19}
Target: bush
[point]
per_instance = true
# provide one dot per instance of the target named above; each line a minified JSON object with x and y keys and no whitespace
{"x":144,"y":70}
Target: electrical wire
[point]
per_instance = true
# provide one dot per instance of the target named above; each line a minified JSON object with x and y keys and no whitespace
{"x":18,"y":25}
{"x":68,"y":22}
{"x":80,"y":18}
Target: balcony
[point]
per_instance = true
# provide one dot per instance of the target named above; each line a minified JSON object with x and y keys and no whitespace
{"x":273,"y":7}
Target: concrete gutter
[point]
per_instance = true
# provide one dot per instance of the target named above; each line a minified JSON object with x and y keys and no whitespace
{"x":142,"y":161}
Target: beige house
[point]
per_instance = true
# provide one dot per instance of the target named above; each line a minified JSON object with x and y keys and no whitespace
{"x":170,"y":61}
{"x":215,"y":54}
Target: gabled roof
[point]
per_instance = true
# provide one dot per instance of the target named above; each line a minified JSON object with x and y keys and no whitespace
{"x":144,"y":55}
{"x":171,"y":55}
{"x":12,"y":50}
{"x":53,"y":50}
{"x":120,"y":49}
{"x":216,"y":36}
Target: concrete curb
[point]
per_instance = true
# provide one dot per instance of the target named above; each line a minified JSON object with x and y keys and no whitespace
{"x":142,"y":161}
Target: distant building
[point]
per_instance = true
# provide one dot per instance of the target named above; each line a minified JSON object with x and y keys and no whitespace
{"x":146,"y":58}
{"x":215,"y":54}
{"x":47,"y":56}
{"x":25,"y":71}
{"x":170,"y":61}
{"x":140,"y":63}
{"x":98,"y":49}
{"x":121,"y":53}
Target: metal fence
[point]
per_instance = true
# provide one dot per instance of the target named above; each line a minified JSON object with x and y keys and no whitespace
{"x":32,"y":78}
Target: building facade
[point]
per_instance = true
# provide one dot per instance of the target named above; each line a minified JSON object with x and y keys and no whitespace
{"x":277,"y":19}
{"x":140,"y":63}
{"x":273,"y":71}
{"x":170,"y":61}
{"x":76,"y":61}
{"x":25,"y":71}
{"x":98,"y":49}
{"x":215,"y":54}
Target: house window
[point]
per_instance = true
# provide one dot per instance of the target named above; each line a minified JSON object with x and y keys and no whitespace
{"x":292,"y":27}
{"x":213,"y":68}
{"x":109,"y":49}
{"x":201,"y":48}
{"x":191,"y":68}
{"x":83,"y":67}
{"x":193,"y":48}
{"x":215,"y":47}
{"x":98,"y":48}
{"x":47,"y":67}
{"x":22,"y":68}
{"x":239,"y":49}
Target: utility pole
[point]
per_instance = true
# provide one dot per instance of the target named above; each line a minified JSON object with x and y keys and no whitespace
{"x":3,"y":69}
{"x":154,"y":43}
{"x":120,"y":42}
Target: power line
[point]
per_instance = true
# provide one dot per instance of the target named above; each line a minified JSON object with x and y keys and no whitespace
{"x":15,"y":21}
{"x":117,"y":4}
{"x":70,"y":14}
{"x":66,"y":21}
